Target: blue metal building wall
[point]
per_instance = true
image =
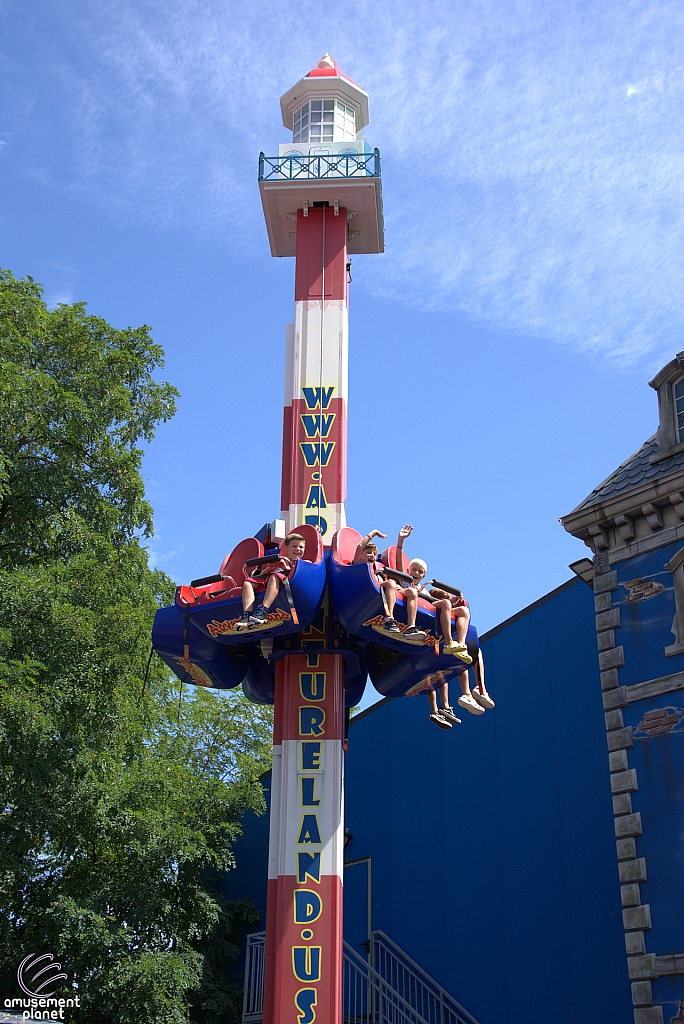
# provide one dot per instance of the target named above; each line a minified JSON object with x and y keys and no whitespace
{"x":492,"y":846}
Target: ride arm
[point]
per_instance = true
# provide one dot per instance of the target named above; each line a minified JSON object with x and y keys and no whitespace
{"x":446,"y":586}
{"x":400,"y":577}
{"x":264,"y":560}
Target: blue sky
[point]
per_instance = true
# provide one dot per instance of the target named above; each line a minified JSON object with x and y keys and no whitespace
{"x":533,"y":279}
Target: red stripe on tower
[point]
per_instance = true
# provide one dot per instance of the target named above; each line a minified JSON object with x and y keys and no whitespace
{"x":314,"y":474}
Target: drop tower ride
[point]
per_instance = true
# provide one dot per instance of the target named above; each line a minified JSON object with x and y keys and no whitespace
{"x":311,"y":652}
{"x":322,"y":202}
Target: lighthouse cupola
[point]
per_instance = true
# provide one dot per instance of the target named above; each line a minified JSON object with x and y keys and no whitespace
{"x":325,"y":107}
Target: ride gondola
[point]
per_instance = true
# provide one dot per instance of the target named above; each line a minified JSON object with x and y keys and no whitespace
{"x":397,"y":667}
{"x":199,"y":639}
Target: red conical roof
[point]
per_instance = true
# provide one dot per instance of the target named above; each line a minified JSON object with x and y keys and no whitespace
{"x":328,"y":68}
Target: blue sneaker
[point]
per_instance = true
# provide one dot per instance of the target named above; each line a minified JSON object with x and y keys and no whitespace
{"x":259,"y":617}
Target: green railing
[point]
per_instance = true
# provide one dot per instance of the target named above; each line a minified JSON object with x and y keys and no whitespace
{"x":319,"y":167}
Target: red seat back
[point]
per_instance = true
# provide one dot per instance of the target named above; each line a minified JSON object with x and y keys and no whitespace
{"x":344,"y":545}
{"x":234,"y":563}
{"x":313,"y":551}
{"x":389,"y":557}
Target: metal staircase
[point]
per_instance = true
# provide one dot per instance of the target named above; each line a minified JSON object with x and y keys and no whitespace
{"x":388,"y":989}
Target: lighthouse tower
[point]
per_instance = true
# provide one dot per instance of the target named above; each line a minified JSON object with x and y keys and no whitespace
{"x":322,"y":203}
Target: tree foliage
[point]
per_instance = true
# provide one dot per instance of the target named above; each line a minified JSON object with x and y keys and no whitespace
{"x":76,"y":395}
{"x":118,"y":810}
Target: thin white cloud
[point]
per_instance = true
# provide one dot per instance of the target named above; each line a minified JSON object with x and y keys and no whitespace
{"x":532,"y":153}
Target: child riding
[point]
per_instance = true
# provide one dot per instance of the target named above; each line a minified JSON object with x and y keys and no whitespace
{"x":475,"y":702}
{"x":367,"y":551}
{"x":269,"y":578}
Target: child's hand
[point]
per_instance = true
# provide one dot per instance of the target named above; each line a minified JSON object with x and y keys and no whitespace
{"x":405,"y":532}
{"x":376,"y":533}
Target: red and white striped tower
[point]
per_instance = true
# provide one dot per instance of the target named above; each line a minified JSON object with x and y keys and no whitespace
{"x":322,"y":202}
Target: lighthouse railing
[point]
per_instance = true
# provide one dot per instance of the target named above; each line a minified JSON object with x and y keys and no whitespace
{"x":319,"y":167}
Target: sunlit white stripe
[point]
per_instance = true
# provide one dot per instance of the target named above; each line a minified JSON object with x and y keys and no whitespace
{"x":286,"y":817}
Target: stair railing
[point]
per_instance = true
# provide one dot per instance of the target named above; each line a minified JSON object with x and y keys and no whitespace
{"x":392,"y":989}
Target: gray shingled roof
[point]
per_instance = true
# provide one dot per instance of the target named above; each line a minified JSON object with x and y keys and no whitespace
{"x":636,"y":470}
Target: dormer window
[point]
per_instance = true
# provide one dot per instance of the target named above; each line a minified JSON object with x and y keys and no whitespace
{"x":324,"y":121}
{"x":679,"y":407}
{"x":669,"y":383}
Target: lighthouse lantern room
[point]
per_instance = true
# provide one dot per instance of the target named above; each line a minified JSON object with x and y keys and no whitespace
{"x":326,"y":162}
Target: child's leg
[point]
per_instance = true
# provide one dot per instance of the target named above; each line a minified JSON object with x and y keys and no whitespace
{"x":465,"y":683}
{"x":480,"y":675}
{"x":444,"y":609}
{"x":462,"y":619}
{"x":432,"y":697}
{"x":410,"y":595}
{"x":390,"y":588}
{"x":444,"y":695}
{"x":479,"y":693}
{"x":247,"y":596}
{"x":272,"y":588}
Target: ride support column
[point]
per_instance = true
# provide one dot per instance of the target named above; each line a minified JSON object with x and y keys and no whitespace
{"x":303,"y":966}
{"x":314,"y":467}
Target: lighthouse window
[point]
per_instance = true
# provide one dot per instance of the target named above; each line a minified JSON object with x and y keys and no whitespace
{"x":301,"y":124}
{"x":322,"y":128}
{"x":324,"y":121}
{"x":679,"y":399}
{"x":345,"y":122}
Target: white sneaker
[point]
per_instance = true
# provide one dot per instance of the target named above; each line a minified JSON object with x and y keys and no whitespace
{"x":448,"y":713}
{"x":483,"y":699}
{"x":470,"y":705}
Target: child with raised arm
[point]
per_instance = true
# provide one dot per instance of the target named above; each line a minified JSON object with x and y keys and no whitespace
{"x":367,"y":551}
{"x":269,"y":578}
{"x":417,"y":569}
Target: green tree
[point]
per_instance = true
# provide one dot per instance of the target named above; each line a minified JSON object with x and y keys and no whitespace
{"x":76,"y":395}
{"x":118,"y":810}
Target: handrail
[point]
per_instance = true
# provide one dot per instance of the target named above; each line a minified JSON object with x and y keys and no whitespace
{"x":253,"y":993}
{"x":391,"y":989}
{"x":400,"y":577}
{"x":451,"y":1011}
{"x":320,"y":166}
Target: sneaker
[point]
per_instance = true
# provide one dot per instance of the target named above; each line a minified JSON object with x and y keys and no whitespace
{"x":440,"y":720}
{"x":259,"y":617}
{"x":413,"y":633}
{"x":483,"y":699}
{"x":448,"y":713}
{"x":390,"y":625}
{"x":470,"y":705}
{"x":242,"y":622}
